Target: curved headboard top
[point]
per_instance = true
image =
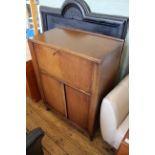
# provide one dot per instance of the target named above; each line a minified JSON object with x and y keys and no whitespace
{"x":77,"y":14}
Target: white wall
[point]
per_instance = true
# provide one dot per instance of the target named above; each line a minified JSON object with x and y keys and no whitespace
{"x":111,"y":7}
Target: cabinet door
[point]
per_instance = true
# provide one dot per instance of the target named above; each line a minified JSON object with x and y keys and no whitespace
{"x":54,"y":93}
{"x":66,"y":67}
{"x":77,"y":107}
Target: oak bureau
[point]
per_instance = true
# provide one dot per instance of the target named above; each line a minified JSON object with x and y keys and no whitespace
{"x":74,"y":70}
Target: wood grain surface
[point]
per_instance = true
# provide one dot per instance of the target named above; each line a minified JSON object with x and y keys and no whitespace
{"x":75,"y":70}
{"x":60,"y":138}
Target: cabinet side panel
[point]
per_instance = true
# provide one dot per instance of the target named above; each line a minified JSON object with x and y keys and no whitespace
{"x":31,"y":82}
{"x":36,"y":69}
{"x":104,"y":77}
{"x":109,"y":71}
{"x":94,"y":104}
{"x":103,"y":80}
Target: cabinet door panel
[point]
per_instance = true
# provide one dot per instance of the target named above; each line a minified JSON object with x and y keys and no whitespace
{"x":77,"y":106}
{"x":54,"y":93}
{"x":66,"y":67}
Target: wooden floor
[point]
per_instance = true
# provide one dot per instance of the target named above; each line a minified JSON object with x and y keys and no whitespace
{"x":60,"y":137}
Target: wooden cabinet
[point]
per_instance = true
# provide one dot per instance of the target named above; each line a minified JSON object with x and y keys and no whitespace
{"x":74,"y":70}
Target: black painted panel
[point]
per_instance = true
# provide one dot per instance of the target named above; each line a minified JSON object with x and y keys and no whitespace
{"x":112,"y":30}
{"x":76,"y":14}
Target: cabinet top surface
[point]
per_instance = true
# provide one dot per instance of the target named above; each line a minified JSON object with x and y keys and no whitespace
{"x":86,"y":44}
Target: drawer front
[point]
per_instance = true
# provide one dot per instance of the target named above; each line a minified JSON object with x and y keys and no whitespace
{"x":54,"y":93}
{"x":69,"y":68}
{"x":77,"y":107}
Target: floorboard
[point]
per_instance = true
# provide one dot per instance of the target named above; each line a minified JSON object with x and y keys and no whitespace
{"x":60,"y":137}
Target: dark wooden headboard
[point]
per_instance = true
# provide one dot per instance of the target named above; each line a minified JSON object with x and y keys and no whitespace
{"x":77,"y":14}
